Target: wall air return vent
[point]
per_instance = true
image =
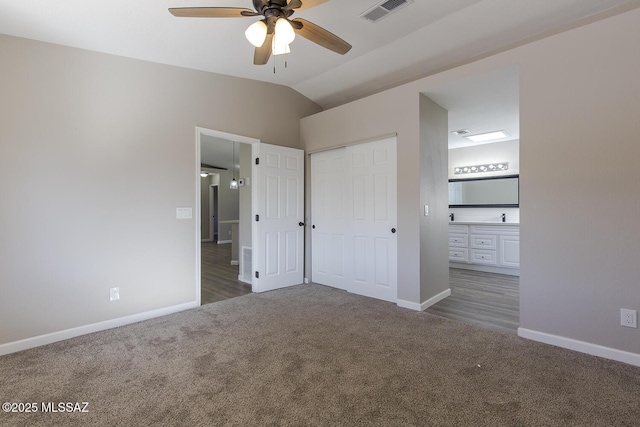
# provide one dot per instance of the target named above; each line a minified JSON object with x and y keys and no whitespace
{"x":384,"y":8}
{"x":246,"y":267}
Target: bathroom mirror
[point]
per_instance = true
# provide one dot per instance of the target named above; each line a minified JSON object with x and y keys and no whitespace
{"x":501,"y":191}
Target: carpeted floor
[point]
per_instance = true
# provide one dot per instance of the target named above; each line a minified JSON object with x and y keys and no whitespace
{"x":312,"y":355}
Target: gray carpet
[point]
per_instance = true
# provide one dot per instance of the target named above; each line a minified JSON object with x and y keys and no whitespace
{"x":312,"y":355}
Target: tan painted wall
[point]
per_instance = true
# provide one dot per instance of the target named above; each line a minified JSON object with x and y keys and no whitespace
{"x":81,"y":136}
{"x":580,"y":102}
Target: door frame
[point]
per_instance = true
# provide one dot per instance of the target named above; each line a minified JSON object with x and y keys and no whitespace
{"x":199,"y":132}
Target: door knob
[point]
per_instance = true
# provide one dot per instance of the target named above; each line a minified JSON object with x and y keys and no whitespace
{"x":393,"y":230}
{"x":301,"y":224}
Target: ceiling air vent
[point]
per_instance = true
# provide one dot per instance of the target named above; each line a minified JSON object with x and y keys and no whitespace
{"x":383,"y":9}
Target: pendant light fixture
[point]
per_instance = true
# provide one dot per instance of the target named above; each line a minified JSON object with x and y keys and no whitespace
{"x":234,"y":184}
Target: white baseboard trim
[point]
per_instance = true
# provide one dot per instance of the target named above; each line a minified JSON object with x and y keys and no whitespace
{"x":243,"y":280}
{"x":581,"y":346}
{"x":426,"y":304}
{"x":28,"y":343}
{"x":224,"y":242}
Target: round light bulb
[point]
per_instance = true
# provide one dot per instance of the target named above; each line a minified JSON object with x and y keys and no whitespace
{"x":284,"y":32}
{"x":204,"y":174}
{"x":256,"y":33}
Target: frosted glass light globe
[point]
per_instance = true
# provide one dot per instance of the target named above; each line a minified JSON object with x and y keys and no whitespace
{"x":256,"y":33}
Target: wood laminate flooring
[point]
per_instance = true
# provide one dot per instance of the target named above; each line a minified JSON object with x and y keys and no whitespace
{"x":219,"y":279}
{"x":484,"y":299}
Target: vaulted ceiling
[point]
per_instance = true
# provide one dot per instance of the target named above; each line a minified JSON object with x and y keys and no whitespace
{"x":418,"y":39}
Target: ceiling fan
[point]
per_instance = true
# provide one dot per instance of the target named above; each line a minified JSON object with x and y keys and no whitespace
{"x":275,"y":31}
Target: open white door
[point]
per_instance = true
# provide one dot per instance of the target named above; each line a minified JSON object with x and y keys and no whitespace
{"x":278,"y":218}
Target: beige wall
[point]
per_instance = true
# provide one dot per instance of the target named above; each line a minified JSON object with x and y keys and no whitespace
{"x":81,"y":133}
{"x":434,"y":192}
{"x":580,"y":102}
{"x":579,"y":149}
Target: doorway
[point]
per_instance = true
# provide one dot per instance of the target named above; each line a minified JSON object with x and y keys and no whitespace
{"x":225,"y":215}
{"x":483,"y":251}
{"x":266,"y":230}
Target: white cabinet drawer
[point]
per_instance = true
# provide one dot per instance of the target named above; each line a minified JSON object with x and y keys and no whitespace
{"x":479,"y":241}
{"x":458,"y":228}
{"x":459,"y":240}
{"x":459,"y":254}
{"x":483,"y":257}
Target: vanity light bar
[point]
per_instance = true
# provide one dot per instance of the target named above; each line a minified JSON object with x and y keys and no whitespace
{"x":490,"y":167}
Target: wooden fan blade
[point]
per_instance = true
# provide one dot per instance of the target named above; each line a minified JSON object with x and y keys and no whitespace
{"x":319,"y":35}
{"x":211,"y":12}
{"x":308,"y":4}
{"x":263,"y":53}
{"x":293,"y":4}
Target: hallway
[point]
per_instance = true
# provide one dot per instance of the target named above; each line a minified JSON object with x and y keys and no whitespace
{"x":219,"y":277}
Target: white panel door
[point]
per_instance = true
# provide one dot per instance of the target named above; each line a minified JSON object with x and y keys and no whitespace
{"x":328,"y":207}
{"x":354,"y":240}
{"x":371,"y":246}
{"x":279,"y":227}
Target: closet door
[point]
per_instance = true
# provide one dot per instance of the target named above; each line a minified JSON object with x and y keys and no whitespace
{"x":372,"y":211}
{"x":328,"y":206}
{"x":354,"y":203}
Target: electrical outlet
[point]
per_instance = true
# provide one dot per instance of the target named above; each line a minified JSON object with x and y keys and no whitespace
{"x":114,"y":294}
{"x":628,"y":318}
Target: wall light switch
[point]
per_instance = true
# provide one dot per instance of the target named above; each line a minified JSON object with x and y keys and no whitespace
{"x":426,"y":210}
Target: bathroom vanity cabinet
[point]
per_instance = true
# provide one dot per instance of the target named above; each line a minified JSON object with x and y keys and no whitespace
{"x":491,"y":247}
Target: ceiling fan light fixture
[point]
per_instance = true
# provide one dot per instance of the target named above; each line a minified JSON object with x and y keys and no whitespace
{"x":256,"y":33}
{"x":284,"y":31}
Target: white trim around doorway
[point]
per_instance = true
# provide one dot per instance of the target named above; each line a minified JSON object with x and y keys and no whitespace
{"x":200,"y":131}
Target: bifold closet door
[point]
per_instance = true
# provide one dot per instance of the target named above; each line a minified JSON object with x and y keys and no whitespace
{"x":354,"y":211}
